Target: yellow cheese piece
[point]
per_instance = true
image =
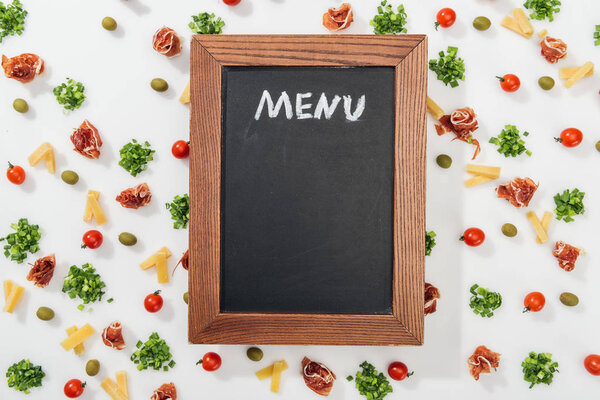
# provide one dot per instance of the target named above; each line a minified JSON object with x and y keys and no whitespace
{"x":535,"y":222}
{"x":511,"y":24}
{"x":185,"y":96}
{"x":267,"y":372}
{"x":50,"y":162}
{"x":111,"y":388}
{"x":8,"y":285}
{"x":80,"y":348}
{"x":433,"y":109}
{"x":545,"y":224}
{"x":44,"y":152}
{"x":568,"y":72}
{"x":276,"y":377}
{"x":13,"y":297}
{"x":77,"y":337}
{"x":490,"y":172}
{"x":97,"y":213}
{"x":162,"y":269}
{"x":523,"y":21}
{"x":122,"y":383}
{"x":153,"y":259}
{"x":477,"y":180}
{"x":542,"y":33}
{"x":580,"y":73}
{"x":87,"y":213}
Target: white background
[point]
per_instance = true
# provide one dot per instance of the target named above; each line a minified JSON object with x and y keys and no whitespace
{"x":116,"y":68}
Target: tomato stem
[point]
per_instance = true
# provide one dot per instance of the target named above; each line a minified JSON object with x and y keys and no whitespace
{"x":436,"y":25}
{"x":156,"y":293}
{"x":10,"y":165}
{"x":84,"y":246}
{"x":501,"y":78}
{"x":462,"y":238}
{"x":559,"y":140}
{"x":526,"y":309}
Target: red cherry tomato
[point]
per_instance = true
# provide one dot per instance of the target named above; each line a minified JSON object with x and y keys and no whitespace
{"x":534,"y":302}
{"x":398,"y":371}
{"x":570,"y":137}
{"x":180,"y":149}
{"x":153,"y":302}
{"x":210,"y":362}
{"x":445,"y":18}
{"x":509,"y":82}
{"x":15,"y":174}
{"x":592,"y":364}
{"x":74,"y":388}
{"x":232,"y":2}
{"x":92,"y":239}
{"x":473,"y":237}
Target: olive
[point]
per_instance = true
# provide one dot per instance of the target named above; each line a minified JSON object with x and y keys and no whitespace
{"x":109,"y":23}
{"x":45,"y":313}
{"x":127,"y":239}
{"x":186,"y":297}
{"x":69,"y":177}
{"x":158,"y":84}
{"x":92,"y":367}
{"x":444,"y":161}
{"x":598,"y":145}
{"x":254,"y":353}
{"x":569,"y":299}
{"x":509,"y":230}
{"x":546,"y":82}
{"x":21,"y":106}
{"x":482,"y":23}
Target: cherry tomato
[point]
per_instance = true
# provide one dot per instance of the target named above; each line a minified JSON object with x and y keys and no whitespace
{"x":592,"y":364}
{"x":92,"y":239}
{"x":74,"y":388}
{"x":445,"y":18}
{"x":153,"y":302}
{"x":473,"y":237}
{"x":534,"y":302}
{"x":509,"y":82}
{"x":210,"y":362}
{"x":398,"y":371}
{"x":15,"y":174}
{"x":232,"y":2}
{"x":180,"y":149}
{"x":570,"y":137}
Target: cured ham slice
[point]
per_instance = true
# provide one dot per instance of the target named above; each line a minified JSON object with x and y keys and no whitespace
{"x":482,"y":361}
{"x":317,"y":377}
{"x":86,"y":140}
{"x":135,"y":197}
{"x":338,"y":18}
{"x":431,"y":295}
{"x":113,"y":337}
{"x":184,"y":260}
{"x":518,"y":192}
{"x":42,"y":271}
{"x":553,"y":49}
{"x":166,"y":391}
{"x":566,"y":255}
{"x":23,"y":68}
{"x":166,"y":42}
{"x":462,"y":122}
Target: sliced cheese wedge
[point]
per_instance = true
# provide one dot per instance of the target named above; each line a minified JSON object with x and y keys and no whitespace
{"x":93,"y":210}
{"x":580,"y":73}
{"x":122,"y":383}
{"x":484,"y":170}
{"x":510,"y":23}
{"x":568,"y":72}
{"x":77,"y":337}
{"x":477,"y":180}
{"x":50,"y":162}
{"x":153,"y":259}
{"x":162,"y":269}
{"x":433,"y":109}
{"x":267,"y":372}
{"x":44,"y":152}
{"x":541,"y":34}
{"x":14,"y":295}
{"x":87,"y":213}
{"x":80,"y":348}
{"x":523,"y":21}
{"x":535,"y":222}
{"x":8,"y":285}
{"x":545,"y":224}
{"x":112,"y":389}
{"x":278,"y":368}
{"x":185,"y":96}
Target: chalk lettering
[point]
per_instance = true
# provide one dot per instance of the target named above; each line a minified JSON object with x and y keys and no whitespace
{"x":273,"y":111}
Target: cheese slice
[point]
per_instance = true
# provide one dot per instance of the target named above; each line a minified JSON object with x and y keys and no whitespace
{"x":535,"y":222}
{"x":433,"y":109}
{"x":80,"y":348}
{"x":267,"y":372}
{"x":523,"y":22}
{"x":545,"y":224}
{"x":484,"y":170}
{"x":122,"y":383}
{"x":185,"y":96}
{"x":50,"y":162}
{"x":162,"y":269}
{"x":153,"y":259}
{"x":278,"y":367}
{"x":44,"y":152}
{"x":477,"y":180}
{"x":542,"y":33}
{"x":77,"y":337}
{"x":580,"y":73}
{"x":511,"y":24}
{"x":8,"y":285}
{"x":13,"y":297}
{"x":111,"y":388}
{"x":96,"y":211}
{"x":568,"y":72}
{"x":87,"y":213}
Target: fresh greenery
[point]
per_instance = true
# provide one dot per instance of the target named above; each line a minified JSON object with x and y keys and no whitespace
{"x":154,"y":353}
{"x":372,"y":384}
{"x":70,"y":94}
{"x":429,"y":242}
{"x":597,"y":36}
{"x":24,"y":375}
{"x":25,"y":239}
{"x":569,"y":204}
{"x":135,"y":156}
{"x":206,"y":24}
{"x":483,"y":301}
{"x":539,"y":368}
{"x":84,"y":283}
{"x":12,"y":19}
{"x":542,"y":9}
{"x":180,"y":211}
{"x":386,"y":21}
{"x":510,"y":143}
{"x":449,"y":68}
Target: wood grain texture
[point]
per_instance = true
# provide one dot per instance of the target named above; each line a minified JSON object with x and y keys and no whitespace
{"x":407,"y":53}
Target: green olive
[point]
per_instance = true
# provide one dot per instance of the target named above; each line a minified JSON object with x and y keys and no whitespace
{"x":158,"y":84}
{"x":186,"y":297}
{"x":598,"y":145}
{"x":546,"y":82}
{"x":569,"y":299}
{"x":509,"y":230}
{"x":482,"y":23}
{"x":254,"y":353}
{"x":21,"y":106}
{"x":69,"y":177}
{"x":127,"y":239}
{"x":45,"y":313}
{"x":92,"y":367}
{"x":444,"y":161}
{"x":109,"y":23}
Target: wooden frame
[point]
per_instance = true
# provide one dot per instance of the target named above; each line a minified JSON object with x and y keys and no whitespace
{"x":404,"y":326}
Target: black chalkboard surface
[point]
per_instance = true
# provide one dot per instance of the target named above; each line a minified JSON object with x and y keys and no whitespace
{"x":307,"y":202}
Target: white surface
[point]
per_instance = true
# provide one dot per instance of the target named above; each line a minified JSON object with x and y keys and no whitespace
{"x":116,"y":68}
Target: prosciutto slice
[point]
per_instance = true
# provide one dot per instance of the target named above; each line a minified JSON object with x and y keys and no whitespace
{"x":338,"y":18}
{"x":317,"y":377}
{"x":42,"y":271}
{"x":86,"y":140}
{"x":113,"y":337}
{"x":166,"y":42}
{"x":431,"y":295}
{"x":482,"y":361}
{"x":518,"y":192}
{"x":462,"y":122}
{"x":184,"y":260}
{"x":23,"y":68}
{"x":553,"y":49}
{"x":166,"y":391}
{"x":566,"y":255}
{"x":135,"y":197}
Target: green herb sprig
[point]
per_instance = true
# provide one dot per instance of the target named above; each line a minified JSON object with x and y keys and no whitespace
{"x":483,"y":301}
{"x":539,"y":368}
{"x":371,"y":383}
{"x":135,"y":156}
{"x":509,"y":142}
{"x":542,"y":9}
{"x":429,"y":242}
{"x":153,"y":353}
{"x":25,"y":239}
{"x":206,"y":24}
{"x":449,"y":68}
{"x":70,"y":94}
{"x":597,"y":36}
{"x":569,"y":204}
{"x":12,"y":19}
{"x":180,"y":211}
{"x":84,"y":283}
{"x":386,"y":21}
{"x":24,"y":375}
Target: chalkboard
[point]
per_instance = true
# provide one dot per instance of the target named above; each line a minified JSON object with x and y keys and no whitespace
{"x":307,"y":203}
